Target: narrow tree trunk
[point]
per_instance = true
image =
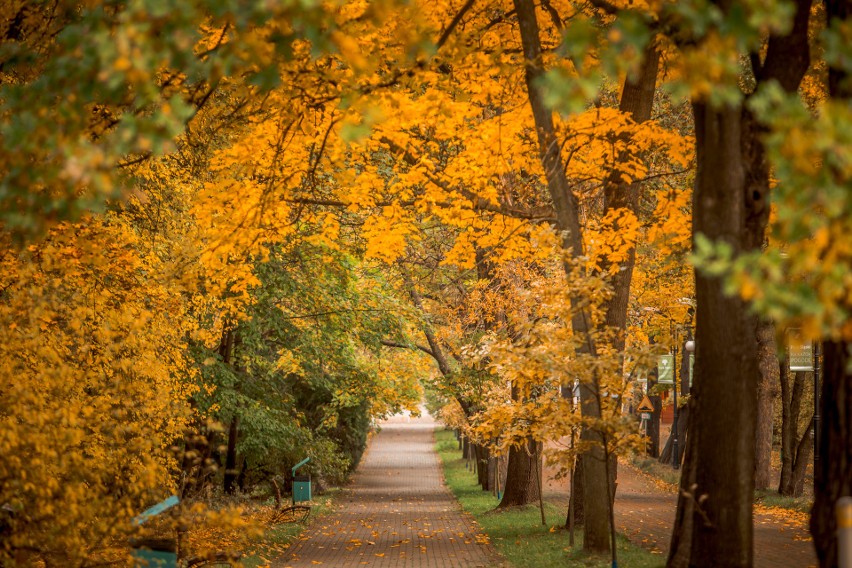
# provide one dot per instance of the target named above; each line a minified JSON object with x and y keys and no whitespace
{"x":654,"y":427}
{"x":791,"y":444}
{"x":482,"y":470}
{"x":766,"y":393}
{"x":804,"y":451}
{"x":682,"y":430}
{"x":681,"y":545}
{"x":576,"y":497}
{"x":231,"y":471}
{"x":833,"y":475}
{"x":521,"y":483}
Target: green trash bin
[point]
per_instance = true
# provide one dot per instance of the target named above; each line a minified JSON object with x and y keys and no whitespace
{"x":301,"y":488}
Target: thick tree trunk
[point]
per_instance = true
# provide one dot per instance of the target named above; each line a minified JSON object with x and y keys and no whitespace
{"x":833,"y":474}
{"x":726,"y":371}
{"x":766,"y":392}
{"x":833,"y":470}
{"x":730,"y":205}
{"x":521,"y":479}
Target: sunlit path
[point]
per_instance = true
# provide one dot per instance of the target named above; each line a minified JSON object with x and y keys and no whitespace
{"x":397,"y":512}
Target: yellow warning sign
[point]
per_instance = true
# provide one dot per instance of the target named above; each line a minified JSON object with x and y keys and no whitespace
{"x":645,"y":405}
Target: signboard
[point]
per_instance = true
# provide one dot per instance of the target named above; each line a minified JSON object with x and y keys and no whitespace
{"x":646,"y":416}
{"x":799,"y":353}
{"x":665,"y":370}
{"x":645,"y":405}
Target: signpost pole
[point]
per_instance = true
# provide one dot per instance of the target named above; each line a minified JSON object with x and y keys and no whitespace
{"x":817,"y":371}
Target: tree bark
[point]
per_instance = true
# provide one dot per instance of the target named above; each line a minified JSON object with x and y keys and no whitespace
{"x":654,"y":427}
{"x":482,"y":470}
{"x":596,"y":529}
{"x":726,"y":372}
{"x":833,"y":473}
{"x":521,"y":483}
{"x":767,"y":390}
{"x":730,"y":205}
{"x":576,"y":496}
{"x":231,"y":472}
{"x":803,"y":457}
{"x":566,"y":207}
{"x":793,"y":461}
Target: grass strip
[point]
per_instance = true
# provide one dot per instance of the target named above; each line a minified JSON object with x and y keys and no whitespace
{"x":518,"y":534}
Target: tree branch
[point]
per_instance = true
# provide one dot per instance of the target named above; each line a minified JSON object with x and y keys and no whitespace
{"x":423,"y":348}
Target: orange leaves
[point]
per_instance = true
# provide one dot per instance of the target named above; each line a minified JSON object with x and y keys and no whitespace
{"x":97,"y":348}
{"x":610,"y":240}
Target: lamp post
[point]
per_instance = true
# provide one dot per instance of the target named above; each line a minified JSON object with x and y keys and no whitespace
{"x":689,"y":347}
{"x":675,"y":460}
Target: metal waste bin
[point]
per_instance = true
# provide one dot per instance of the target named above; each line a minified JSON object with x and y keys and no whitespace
{"x":301,"y":488}
{"x":301,"y":484}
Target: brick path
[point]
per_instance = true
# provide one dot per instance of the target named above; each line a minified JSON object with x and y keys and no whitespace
{"x":397,"y":512}
{"x":645,"y":512}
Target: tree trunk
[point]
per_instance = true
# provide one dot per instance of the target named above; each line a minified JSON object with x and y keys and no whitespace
{"x":681,"y":545}
{"x":482,"y":469}
{"x":767,"y":390}
{"x":682,"y":430}
{"x":791,"y":444}
{"x":833,"y":472}
{"x":596,"y":529}
{"x":231,"y":472}
{"x":521,"y":482}
{"x":684,"y":389}
{"x":731,"y":206}
{"x":576,"y":496}
{"x":654,"y":427}
{"x":803,"y":458}
{"x":726,"y":371}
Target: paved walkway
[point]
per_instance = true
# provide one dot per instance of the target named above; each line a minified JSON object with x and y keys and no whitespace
{"x":397,"y":512}
{"x":645,"y":512}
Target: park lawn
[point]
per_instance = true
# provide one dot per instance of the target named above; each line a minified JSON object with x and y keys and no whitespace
{"x":518,"y":535}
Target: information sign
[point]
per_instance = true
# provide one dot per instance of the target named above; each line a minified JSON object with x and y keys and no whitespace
{"x":800,"y":353}
{"x":665,"y":370}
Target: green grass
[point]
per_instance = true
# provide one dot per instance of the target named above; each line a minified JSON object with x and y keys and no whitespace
{"x":275,"y":542}
{"x":767,"y":498}
{"x":662,"y":471}
{"x":518,"y":533}
{"x":771,"y":498}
